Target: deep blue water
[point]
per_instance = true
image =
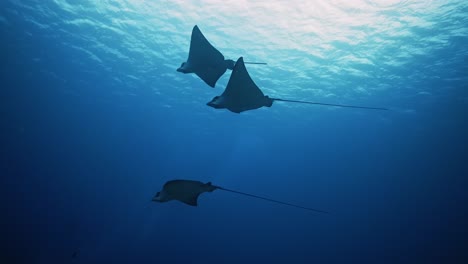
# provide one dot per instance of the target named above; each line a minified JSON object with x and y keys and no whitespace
{"x":94,"y":120}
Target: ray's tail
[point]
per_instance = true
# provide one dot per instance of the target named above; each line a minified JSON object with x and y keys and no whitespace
{"x":230,"y":63}
{"x":260,"y":63}
{"x":338,"y":105}
{"x":271,"y":200}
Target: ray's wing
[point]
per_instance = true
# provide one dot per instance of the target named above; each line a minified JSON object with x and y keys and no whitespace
{"x":190,"y":200}
{"x":207,"y":62}
{"x":186,"y":191}
{"x":210,"y":74}
{"x":200,"y":48}
{"x":241,"y":91}
{"x":240,"y":84}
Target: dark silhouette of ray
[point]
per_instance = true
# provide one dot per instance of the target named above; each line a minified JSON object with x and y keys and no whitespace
{"x":205,"y":60}
{"x":188,"y":191}
{"x":242,"y":94}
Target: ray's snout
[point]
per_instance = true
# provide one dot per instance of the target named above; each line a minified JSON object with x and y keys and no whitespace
{"x":183,"y":68}
{"x":157,"y":197}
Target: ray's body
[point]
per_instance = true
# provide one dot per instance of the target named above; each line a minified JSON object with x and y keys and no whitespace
{"x":188,"y":191}
{"x":206,"y":61}
{"x":242,"y":94}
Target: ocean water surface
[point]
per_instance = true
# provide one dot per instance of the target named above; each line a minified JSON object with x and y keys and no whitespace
{"x":95,"y":119}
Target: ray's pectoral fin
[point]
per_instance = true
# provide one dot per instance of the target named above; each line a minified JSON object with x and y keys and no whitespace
{"x":193,"y":201}
{"x":241,"y":93}
{"x":210,"y":75}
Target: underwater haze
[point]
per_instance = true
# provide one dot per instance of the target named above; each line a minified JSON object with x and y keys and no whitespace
{"x":95,"y":119}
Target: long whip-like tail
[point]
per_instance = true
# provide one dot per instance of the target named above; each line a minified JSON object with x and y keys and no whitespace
{"x":271,"y":200}
{"x":230,"y":63}
{"x":339,"y":105}
{"x":261,"y":63}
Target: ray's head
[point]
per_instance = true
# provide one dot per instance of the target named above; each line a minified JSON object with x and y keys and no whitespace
{"x":217,"y":102}
{"x":184,"y":68}
{"x":161,"y":197}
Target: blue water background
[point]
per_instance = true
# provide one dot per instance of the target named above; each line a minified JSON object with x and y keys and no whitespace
{"x":94,"y":120}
